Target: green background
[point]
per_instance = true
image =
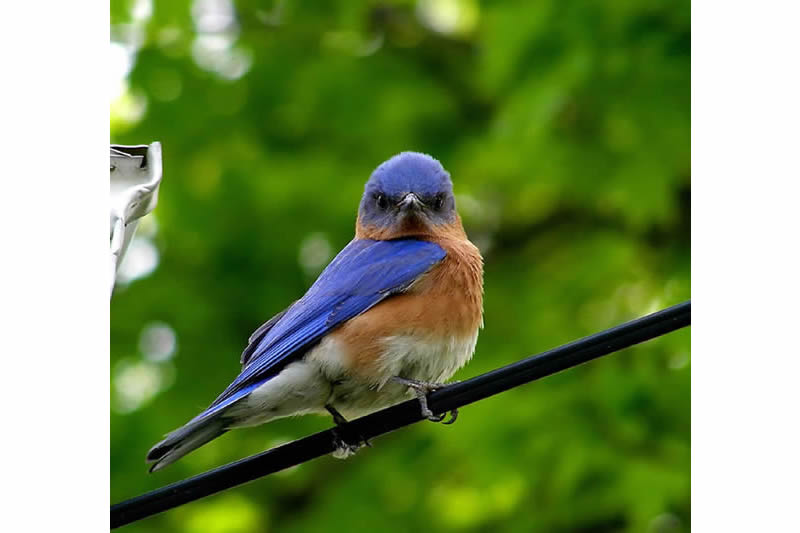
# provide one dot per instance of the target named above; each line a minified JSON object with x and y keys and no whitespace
{"x":565,"y":127}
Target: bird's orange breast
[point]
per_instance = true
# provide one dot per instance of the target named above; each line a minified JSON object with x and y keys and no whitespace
{"x":444,"y":306}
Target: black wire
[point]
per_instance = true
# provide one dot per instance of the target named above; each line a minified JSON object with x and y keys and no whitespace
{"x":395,"y":417}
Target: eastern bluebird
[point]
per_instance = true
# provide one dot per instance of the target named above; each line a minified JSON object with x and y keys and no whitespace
{"x":395,"y":314}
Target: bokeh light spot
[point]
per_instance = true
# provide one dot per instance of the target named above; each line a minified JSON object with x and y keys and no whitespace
{"x":128,"y":108}
{"x":140,"y":260}
{"x":450,"y":17}
{"x":315,"y":252}
{"x":158,"y":342}
{"x":135,"y":383}
{"x":213,"y":16}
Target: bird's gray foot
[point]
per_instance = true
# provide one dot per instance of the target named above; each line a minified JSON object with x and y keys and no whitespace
{"x":343,"y":449}
{"x":421,"y":390}
{"x":338,"y":419}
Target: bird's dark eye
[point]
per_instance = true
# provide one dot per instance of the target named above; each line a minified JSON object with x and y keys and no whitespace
{"x":381,"y":200}
{"x":438,"y":202}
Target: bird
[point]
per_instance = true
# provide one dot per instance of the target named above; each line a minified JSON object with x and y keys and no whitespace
{"x":392,"y":317}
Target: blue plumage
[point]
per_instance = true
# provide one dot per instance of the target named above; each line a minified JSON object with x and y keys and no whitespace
{"x":410,"y":171}
{"x":404,"y":173}
{"x":363,"y":274}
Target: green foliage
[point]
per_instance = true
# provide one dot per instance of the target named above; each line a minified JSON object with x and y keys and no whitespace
{"x":565,"y":126}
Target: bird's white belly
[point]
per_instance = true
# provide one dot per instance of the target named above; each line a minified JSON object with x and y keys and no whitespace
{"x":433,"y":360}
{"x":322,"y":378}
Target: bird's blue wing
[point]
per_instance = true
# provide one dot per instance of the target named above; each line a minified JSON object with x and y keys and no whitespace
{"x":363,"y":274}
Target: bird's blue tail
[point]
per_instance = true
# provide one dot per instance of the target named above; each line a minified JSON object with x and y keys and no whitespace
{"x":184,"y":440}
{"x":203,"y":428}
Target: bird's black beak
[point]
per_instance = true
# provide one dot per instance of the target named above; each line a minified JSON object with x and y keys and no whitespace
{"x":410,"y":202}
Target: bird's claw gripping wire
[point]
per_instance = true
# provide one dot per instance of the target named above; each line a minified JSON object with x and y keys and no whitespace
{"x":344,"y":449}
{"x":421,"y":390}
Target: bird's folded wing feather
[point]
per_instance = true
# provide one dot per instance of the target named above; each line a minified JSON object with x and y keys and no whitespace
{"x":255,"y":339}
{"x":363,"y":274}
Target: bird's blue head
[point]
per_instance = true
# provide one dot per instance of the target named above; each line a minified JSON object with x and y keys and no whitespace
{"x":410,"y":194}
